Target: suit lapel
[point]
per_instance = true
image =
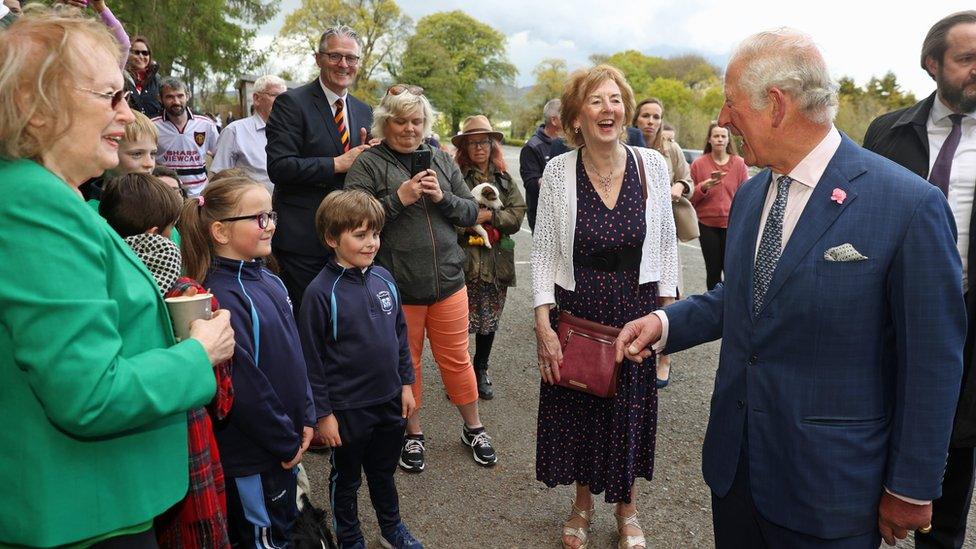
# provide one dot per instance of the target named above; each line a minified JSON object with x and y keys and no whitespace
{"x":322,"y":105}
{"x":819,"y":213}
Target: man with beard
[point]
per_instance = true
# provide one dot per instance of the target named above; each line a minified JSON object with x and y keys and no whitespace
{"x":185,"y":139}
{"x":936,"y":139}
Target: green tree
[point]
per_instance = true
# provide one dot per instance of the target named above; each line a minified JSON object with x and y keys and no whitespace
{"x":205,"y":40}
{"x":858,"y":106}
{"x":456,"y":59}
{"x":639,"y":69}
{"x":381,"y":25}
{"x":550,"y":78}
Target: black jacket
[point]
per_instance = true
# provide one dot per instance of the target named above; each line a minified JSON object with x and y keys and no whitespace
{"x":147,"y":100}
{"x":902,"y":136}
{"x":303,"y":141}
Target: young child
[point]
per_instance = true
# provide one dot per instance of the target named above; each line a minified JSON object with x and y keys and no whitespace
{"x":143,"y":210}
{"x":227,"y":230}
{"x":137,"y":154}
{"x":355,"y":342}
{"x":170,"y":177}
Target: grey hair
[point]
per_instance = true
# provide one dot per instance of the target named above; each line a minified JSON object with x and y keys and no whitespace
{"x":268,"y":81}
{"x":789,"y":60}
{"x":392,"y":106}
{"x":552,"y":108}
{"x":172,"y":83}
{"x":339,"y":30}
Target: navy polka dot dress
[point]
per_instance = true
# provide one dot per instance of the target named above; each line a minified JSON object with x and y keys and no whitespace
{"x":603,"y":443}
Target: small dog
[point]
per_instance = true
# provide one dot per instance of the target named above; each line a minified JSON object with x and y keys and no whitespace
{"x":486,"y":195}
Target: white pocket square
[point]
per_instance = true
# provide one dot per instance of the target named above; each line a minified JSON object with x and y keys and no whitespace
{"x":844,"y":252}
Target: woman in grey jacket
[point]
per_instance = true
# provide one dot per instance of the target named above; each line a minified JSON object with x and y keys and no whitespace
{"x":420,"y":248}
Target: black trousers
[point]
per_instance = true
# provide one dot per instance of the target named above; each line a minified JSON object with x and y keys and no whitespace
{"x":712,"y":240}
{"x":297,"y":271}
{"x":261,"y":508}
{"x":739,"y":525}
{"x":142,"y":540}
{"x":531,"y":203}
{"x":371,"y":442}
{"x":950,"y":511}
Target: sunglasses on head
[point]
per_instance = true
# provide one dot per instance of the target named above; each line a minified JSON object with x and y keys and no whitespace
{"x":115,"y":97}
{"x":397,"y":89}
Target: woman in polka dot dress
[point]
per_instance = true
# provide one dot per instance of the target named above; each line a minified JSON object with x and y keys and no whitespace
{"x":591,"y":209}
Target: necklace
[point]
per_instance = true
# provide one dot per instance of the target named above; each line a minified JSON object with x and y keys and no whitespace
{"x":605,"y":180}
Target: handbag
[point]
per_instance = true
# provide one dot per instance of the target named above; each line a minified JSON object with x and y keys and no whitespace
{"x":589,"y":360}
{"x":685,"y":219}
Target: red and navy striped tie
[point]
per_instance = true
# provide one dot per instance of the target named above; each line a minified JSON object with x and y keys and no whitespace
{"x":340,"y":120}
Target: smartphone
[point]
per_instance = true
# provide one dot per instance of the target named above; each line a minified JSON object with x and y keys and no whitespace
{"x":717,"y":175}
{"x":419,"y":161}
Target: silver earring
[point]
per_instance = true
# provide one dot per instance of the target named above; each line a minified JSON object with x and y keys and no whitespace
{"x":577,"y":130}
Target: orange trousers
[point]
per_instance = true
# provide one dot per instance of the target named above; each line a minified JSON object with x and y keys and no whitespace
{"x":445,"y":324}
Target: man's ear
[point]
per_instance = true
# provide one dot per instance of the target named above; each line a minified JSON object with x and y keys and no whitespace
{"x":931,"y":66}
{"x":220,"y":233}
{"x":778,"y":102}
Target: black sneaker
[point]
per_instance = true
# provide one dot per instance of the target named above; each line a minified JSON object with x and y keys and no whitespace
{"x":412,"y":455}
{"x":480,"y":444}
{"x":484,"y":385}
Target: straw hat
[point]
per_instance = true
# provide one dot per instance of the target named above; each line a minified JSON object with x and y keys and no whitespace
{"x":475,"y":125}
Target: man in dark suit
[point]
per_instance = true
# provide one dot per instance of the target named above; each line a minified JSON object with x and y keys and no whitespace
{"x":841,"y":317}
{"x":315,"y":132}
{"x":936,"y":139}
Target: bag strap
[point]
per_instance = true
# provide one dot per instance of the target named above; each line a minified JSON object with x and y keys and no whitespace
{"x":640,"y":166}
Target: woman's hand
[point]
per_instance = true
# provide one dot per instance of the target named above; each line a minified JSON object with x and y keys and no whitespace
{"x":484,"y":215}
{"x":216,"y":336}
{"x":548,"y":351}
{"x":677,"y":190}
{"x":431,"y":187}
{"x":411,"y":190}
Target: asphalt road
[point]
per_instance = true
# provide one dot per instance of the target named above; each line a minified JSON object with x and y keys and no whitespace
{"x":457,"y":504}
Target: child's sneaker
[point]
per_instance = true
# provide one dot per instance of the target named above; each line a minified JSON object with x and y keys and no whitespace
{"x":400,"y":538}
{"x":412,"y":455}
{"x":480,"y":443}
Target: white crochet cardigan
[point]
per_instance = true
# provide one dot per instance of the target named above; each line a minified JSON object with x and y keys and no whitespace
{"x":555,"y":228}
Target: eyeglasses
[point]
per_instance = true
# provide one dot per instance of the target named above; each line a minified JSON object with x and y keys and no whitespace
{"x":483,"y":144}
{"x":397,"y":89}
{"x":139,"y":52}
{"x":115,"y":97}
{"x":351,"y":60}
{"x":269,"y":94}
{"x":262,"y":218}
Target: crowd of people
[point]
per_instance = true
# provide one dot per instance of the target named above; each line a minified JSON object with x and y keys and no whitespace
{"x":332,"y":240}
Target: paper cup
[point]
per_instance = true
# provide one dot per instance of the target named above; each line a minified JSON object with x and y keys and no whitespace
{"x":185,"y":309}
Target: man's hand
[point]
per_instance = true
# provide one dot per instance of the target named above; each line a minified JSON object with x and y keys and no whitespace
{"x":636,"y":336}
{"x":897,"y":517}
{"x":328,"y":428}
{"x":343,"y":162}
{"x":408,"y":402}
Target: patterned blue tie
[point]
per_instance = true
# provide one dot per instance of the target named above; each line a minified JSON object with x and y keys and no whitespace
{"x":771,"y":244}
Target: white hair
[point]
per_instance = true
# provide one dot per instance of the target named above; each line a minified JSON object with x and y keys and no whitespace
{"x":268,"y":81}
{"x":552,"y":108}
{"x":402,"y":104}
{"x":789,"y":60}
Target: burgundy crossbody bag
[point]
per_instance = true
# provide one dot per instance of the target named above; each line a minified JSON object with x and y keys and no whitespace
{"x":589,"y":360}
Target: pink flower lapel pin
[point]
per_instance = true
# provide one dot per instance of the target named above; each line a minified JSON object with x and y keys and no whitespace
{"x":838,"y":196}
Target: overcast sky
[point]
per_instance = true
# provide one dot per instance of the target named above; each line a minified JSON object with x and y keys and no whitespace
{"x":859,"y":38}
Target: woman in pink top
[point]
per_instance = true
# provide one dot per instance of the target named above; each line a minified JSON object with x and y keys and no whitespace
{"x":717,"y":173}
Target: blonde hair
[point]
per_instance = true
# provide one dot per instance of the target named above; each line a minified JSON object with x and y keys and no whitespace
{"x":40,"y":55}
{"x":398,"y":105}
{"x":140,"y":128}
{"x":219,"y":200}
{"x":579,"y":85}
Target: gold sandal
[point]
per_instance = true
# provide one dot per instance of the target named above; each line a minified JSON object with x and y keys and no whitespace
{"x":632,"y":541}
{"x":580,"y":533}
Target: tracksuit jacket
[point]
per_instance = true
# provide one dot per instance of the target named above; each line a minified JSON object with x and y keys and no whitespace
{"x":355,"y":338}
{"x":272,"y":398}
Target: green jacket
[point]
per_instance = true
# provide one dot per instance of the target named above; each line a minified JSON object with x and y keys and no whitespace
{"x":497,"y":265}
{"x":93,"y":389}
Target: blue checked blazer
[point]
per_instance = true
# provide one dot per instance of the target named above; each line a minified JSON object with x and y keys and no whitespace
{"x":849,"y":374}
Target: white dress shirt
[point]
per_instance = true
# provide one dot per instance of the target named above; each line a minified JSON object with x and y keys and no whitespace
{"x":242,"y":145}
{"x":332,"y":97}
{"x":962,"y":178}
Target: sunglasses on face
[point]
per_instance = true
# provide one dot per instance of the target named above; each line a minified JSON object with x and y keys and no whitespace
{"x":351,"y":60}
{"x":139,"y":52}
{"x":397,"y":89}
{"x":115,"y":97}
{"x":263,"y":219}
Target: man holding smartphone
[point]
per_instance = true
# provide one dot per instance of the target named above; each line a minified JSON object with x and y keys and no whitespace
{"x":315,"y":133}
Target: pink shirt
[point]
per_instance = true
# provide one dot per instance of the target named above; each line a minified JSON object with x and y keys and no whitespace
{"x":713,"y":205}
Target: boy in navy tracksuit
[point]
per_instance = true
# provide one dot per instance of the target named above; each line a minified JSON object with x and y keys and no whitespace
{"x":355,"y":341}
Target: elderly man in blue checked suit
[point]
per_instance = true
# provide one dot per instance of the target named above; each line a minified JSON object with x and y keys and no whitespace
{"x":842,"y":319}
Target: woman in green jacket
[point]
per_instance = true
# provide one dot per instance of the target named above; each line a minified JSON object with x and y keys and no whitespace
{"x":489,"y":271}
{"x":94,"y":388}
